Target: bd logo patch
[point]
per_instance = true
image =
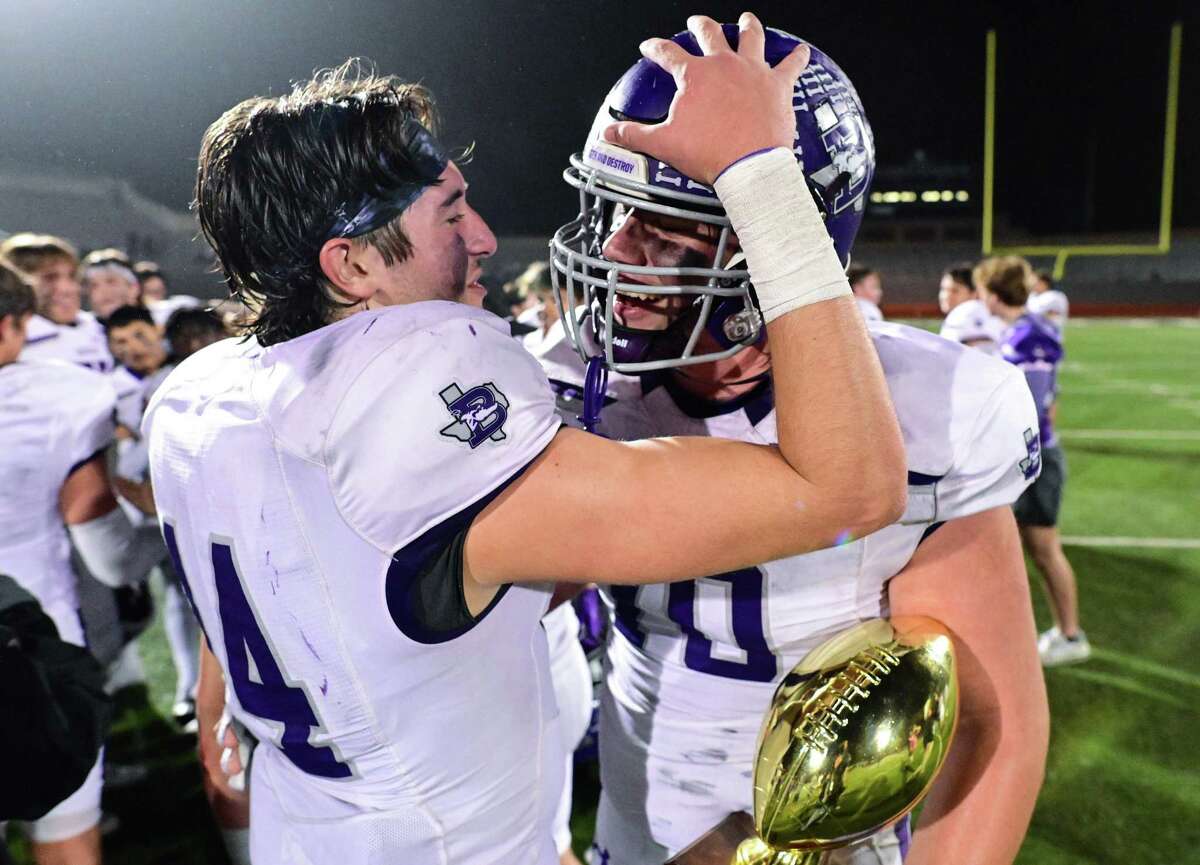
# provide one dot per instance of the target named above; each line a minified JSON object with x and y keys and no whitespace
{"x":479,"y":413}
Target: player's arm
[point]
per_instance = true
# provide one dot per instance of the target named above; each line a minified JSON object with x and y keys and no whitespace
{"x":216,"y":742}
{"x":113,"y":551}
{"x":970,"y":574}
{"x":669,"y":509}
{"x":140,"y":494}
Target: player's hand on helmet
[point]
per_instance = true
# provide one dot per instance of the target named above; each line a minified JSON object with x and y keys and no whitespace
{"x":728,"y":104}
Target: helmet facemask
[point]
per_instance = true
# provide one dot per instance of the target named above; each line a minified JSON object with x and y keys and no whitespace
{"x":586,"y":284}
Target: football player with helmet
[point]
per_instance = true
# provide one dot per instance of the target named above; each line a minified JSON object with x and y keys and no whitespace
{"x":347,"y":492}
{"x":651,"y":279}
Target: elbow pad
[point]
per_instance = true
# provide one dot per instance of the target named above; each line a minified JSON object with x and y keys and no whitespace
{"x":115,"y":552}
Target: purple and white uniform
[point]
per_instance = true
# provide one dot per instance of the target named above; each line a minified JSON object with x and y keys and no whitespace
{"x":1051,"y":305}
{"x":314,"y":495}
{"x":1034,"y":346}
{"x":54,"y":417}
{"x":971,"y":324}
{"x":692,"y":666}
{"x":82,"y":343}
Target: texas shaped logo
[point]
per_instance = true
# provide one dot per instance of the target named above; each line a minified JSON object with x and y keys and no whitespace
{"x":479,"y":413}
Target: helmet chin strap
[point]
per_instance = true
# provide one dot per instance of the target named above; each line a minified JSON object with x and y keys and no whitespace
{"x":595,"y":385}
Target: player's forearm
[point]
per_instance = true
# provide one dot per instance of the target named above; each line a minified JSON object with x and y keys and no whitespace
{"x":979,"y":808}
{"x":836,"y":425}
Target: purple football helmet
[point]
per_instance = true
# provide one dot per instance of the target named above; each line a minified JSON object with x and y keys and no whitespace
{"x":834,"y":145}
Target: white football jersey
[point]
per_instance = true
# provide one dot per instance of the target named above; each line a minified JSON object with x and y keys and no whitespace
{"x":692,"y":665}
{"x":133,"y":394}
{"x":314,"y":495}
{"x":1051,"y":305}
{"x":83,"y":343}
{"x":54,"y":416}
{"x":971,"y":324}
{"x":870,"y":311}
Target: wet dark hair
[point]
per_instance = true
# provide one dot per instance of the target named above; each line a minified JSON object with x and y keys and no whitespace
{"x":961,"y":273}
{"x":190,"y":325}
{"x":272,"y":173}
{"x":16,"y":294}
{"x":123,"y":316}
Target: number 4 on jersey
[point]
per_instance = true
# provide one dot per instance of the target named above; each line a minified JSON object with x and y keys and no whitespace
{"x":257,"y":680}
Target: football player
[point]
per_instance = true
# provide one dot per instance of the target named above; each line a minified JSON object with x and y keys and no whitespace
{"x":156,"y":294}
{"x":967,"y":318}
{"x":347,"y":493}
{"x":1034,"y":345}
{"x":56,"y":421}
{"x":139,"y":348}
{"x":650,"y":275}
{"x":1047,"y":301}
{"x":868,"y":290}
{"x":59,"y":329}
{"x":109,"y":282}
{"x":62,"y":331}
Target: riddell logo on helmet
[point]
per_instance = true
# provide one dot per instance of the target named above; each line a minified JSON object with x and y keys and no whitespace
{"x":620,"y":342}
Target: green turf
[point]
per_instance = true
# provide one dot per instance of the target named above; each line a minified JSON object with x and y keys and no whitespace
{"x":1123,"y":778}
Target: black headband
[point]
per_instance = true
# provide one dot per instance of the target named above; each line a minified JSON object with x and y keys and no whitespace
{"x":354,"y":219}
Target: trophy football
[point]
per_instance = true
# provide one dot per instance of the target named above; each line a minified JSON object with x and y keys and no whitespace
{"x":855,"y":735}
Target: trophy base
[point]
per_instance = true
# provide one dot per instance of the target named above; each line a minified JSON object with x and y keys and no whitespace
{"x":755,"y":851}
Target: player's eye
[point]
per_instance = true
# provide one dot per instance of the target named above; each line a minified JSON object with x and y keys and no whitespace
{"x":457,"y":218}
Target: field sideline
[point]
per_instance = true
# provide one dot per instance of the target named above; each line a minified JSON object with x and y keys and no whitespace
{"x":1123,"y":779}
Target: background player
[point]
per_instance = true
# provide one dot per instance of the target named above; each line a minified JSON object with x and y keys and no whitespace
{"x":1033,"y":345}
{"x":109,"y":282}
{"x":56,"y":424}
{"x":967,"y":318}
{"x":1047,"y":301}
{"x":59,"y":329}
{"x":868,"y":290}
{"x":389,"y":442}
{"x":692,"y":666}
{"x":144,"y":364}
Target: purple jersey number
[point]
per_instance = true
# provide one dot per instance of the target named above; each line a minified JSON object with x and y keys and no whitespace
{"x":271,"y":697}
{"x":746,"y":598}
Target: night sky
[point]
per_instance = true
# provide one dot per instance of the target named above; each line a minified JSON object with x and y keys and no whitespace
{"x":125,"y":88}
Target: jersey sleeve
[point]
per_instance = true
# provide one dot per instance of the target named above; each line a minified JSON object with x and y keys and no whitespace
{"x":432,"y":425}
{"x":998,"y":453}
{"x":90,"y":425}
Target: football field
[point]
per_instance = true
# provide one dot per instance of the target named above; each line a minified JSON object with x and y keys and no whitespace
{"x":1123,"y":778}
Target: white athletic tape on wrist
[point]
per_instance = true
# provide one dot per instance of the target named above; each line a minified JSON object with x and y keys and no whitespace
{"x":790,"y":254}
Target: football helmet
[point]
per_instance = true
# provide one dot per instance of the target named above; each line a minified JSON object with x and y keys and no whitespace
{"x":834,"y":146}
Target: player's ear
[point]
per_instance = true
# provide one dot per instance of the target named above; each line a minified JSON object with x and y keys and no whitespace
{"x":345,"y":265}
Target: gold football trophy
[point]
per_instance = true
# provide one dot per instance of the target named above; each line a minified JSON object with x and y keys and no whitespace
{"x":854,"y":737}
